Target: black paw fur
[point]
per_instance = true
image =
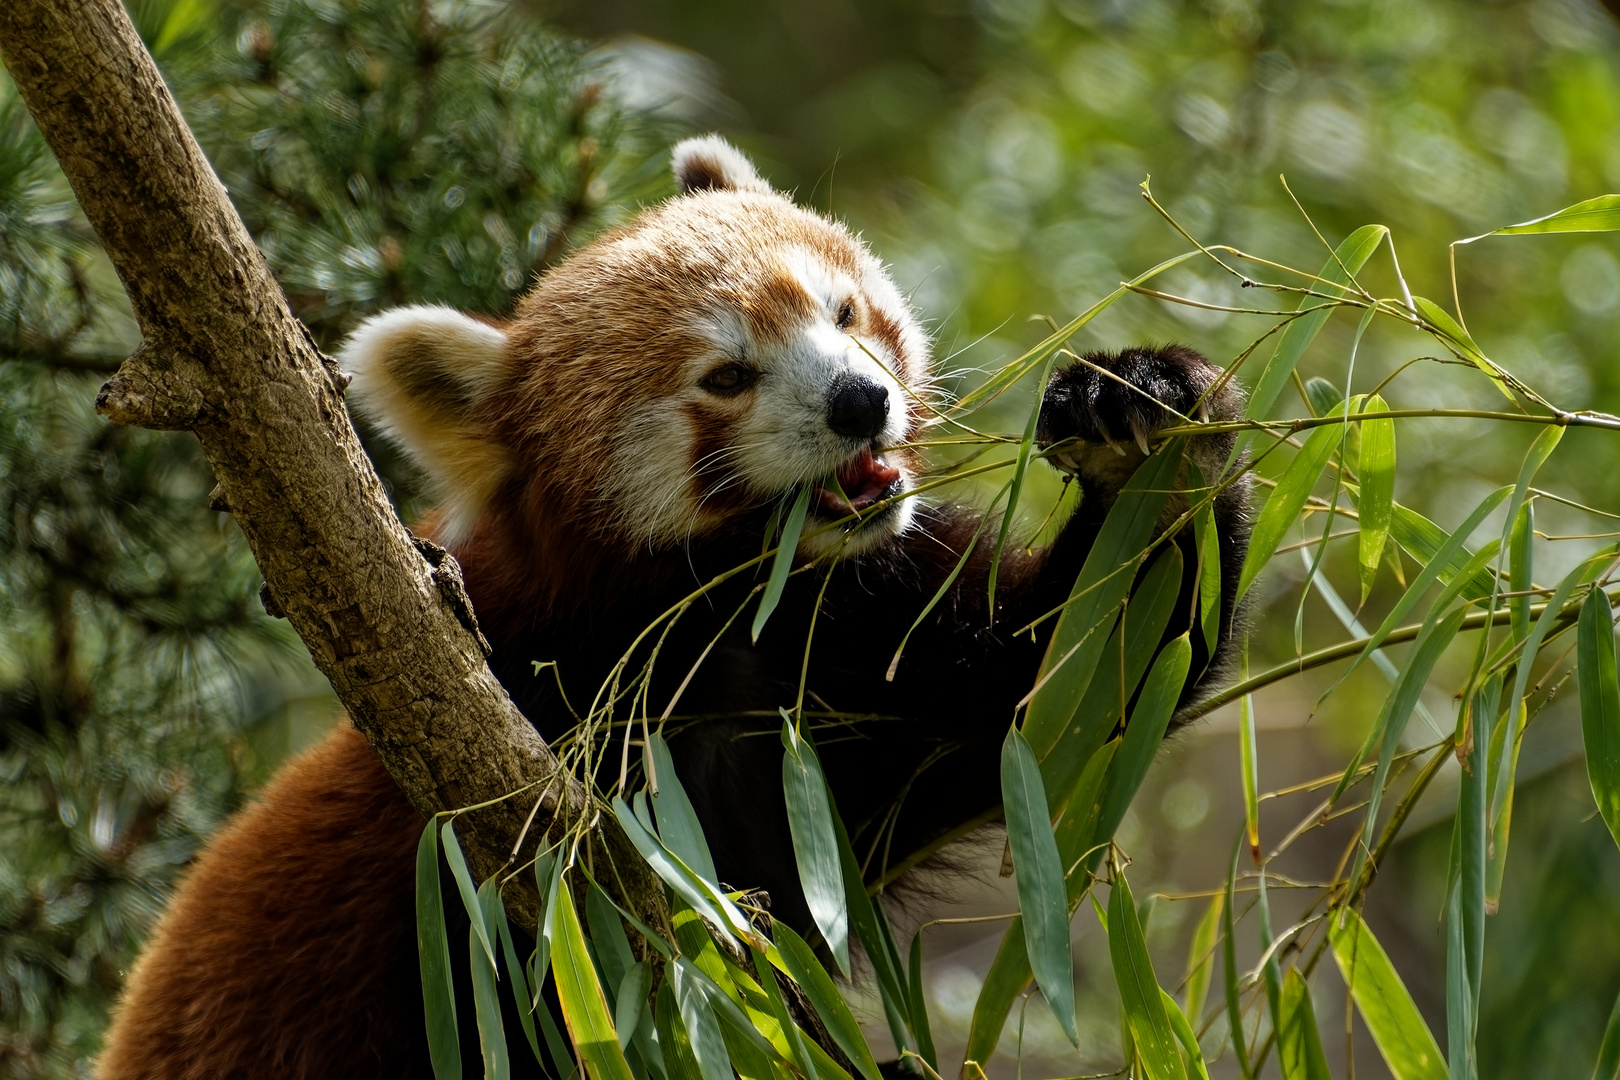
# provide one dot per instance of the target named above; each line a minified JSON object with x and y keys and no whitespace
{"x":1128,"y":403}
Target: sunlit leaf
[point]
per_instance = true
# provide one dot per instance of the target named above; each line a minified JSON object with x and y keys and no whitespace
{"x":464,"y":885}
{"x":1351,"y":254}
{"x":1287,"y":499}
{"x":1192,"y":1053}
{"x":584,"y":1006}
{"x":1201,"y":956}
{"x":1104,"y":581}
{"x":1383,"y":1001}
{"x":1600,"y":705}
{"x":1299,"y":1046}
{"x":1601,"y":214}
{"x":815,"y":844}
{"x":673,"y":1040}
{"x":784,"y":1018}
{"x":1139,"y":993}
{"x":708,"y":1045}
{"x":1039,"y":878}
{"x":1457,"y":338}
{"x":486,"y":995}
{"x":678,"y":825}
{"x":802,"y":966}
{"x":1376,"y":469}
{"x":787,"y":549}
{"x":1209,"y":579}
{"x":433,"y":952}
{"x":703,"y":897}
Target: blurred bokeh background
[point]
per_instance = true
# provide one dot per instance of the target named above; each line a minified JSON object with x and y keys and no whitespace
{"x":992,"y":151}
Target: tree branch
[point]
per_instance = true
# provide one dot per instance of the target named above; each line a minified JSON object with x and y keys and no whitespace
{"x":224,"y":357}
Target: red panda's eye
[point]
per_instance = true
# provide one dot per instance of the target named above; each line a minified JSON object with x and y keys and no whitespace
{"x":729,"y":379}
{"x":846,"y":316}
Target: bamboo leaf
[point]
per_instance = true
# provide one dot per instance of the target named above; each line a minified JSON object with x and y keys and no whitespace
{"x":1451,"y":332}
{"x":1600,"y":705}
{"x":1466,"y":915}
{"x":1376,"y":469}
{"x":784,"y":1018}
{"x":871,"y":927}
{"x":1039,"y":875}
{"x":1142,"y":624}
{"x":1192,"y":1053}
{"x":1384,"y":1003}
{"x":1104,"y":581}
{"x":608,"y":936}
{"x":1608,"y":1062}
{"x":1139,"y":992}
{"x":522,"y":998}
{"x":815,"y":844}
{"x":1249,"y":763}
{"x":1020,"y":467}
{"x":704,"y":897}
{"x":1234,"y":1008}
{"x":1601,"y":214}
{"x":1423,"y":540}
{"x":1201,"y":956}
{"x":802,"y":966}
{"x":787,"y":550}
{"x":919,"y":1007}
{"x":1351,"y":254}
{"x":678,"y":825}
{"x":1299,"y":1047}
{"x":464,"y":885}
{"x":1143,"y":735}
{"x":703,"y":1035}
{"x":433,"y":952}
{"x":673,"y":1040}
{"x":1287,"y":499}
{"x":486,"y":995}
{"x":584,"y":1006}
{"x":729,"y":1011}
{"x":1209,"y":578}
{"x":1009,"y":974}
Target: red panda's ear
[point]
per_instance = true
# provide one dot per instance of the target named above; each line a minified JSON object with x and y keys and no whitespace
{"x":710,"y":163}
{"x":424,"y":374}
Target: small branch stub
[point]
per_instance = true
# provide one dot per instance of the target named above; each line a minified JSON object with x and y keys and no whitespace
{"x":157,"y":388}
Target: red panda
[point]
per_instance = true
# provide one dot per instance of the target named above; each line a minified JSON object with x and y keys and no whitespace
{"x":623,"y":439}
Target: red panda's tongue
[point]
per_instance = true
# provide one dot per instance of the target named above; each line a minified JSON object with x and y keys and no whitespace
{"x":864,"y":479}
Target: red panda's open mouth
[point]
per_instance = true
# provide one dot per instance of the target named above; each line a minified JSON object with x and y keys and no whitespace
{"x":864,"y":478}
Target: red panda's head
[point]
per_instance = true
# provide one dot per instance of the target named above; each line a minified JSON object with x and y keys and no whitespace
{"x":674,"y":379}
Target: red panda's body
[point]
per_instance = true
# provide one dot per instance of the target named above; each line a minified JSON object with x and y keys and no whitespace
{"x":623,"y":441}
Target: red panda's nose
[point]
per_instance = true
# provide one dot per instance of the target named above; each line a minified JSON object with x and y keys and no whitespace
{"x":857,"y":407}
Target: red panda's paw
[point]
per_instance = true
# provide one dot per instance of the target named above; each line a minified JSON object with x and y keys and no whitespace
{"x":1118,"y":401}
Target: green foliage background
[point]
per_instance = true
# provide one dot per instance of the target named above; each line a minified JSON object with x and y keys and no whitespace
{"x":993,"y":151}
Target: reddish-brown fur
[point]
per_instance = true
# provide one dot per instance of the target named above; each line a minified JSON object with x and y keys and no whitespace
{"x":301,"y":921}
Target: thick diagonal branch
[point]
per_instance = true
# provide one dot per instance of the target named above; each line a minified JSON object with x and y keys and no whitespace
{"x":223,"y":357}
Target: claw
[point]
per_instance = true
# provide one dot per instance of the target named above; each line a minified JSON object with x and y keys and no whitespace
{"x":1112,"y":445}
{"x":1141,"y":438}
{"x":1203,"y":410}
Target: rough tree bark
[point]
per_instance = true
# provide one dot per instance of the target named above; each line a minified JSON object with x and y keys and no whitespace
{"x":222,"y":356}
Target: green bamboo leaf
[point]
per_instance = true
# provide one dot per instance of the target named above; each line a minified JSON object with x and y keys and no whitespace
{"x":1076,"y":831}
{"x":433,"y":952}
{"x":1234,"y":1008}
{"x":1600,"y":705}
{"x":1201,"y":956}
{"x":1601,"y":214}
{"x":1521,"y":567}
{"x":704,"y":897}
{"x":815,"y":844}
{"x":802,"y":966}
{"x":1287,"y":499}
{"x":607,"y":935}
{"x":1004,"y":983}
{"x":678,"y":825}
{"x":1249,"y":762}
{"x":1191,"y":1053}
{"x":1351,"y":254}
{"x":1040,"y":879}
{"x":1149,"y":610}
{"x":708,"y":1045}
{"x":1432,"y":640}
{"x":584,"y":1006}
{"x":919,"y":1007}
{"x":1376,"y":468}
{"x":1459,"y":1007}
{"x":1383,"y":1001}
{"x":1143,"y":735}
{"x":1209,"y":578}
{"x":673,"y":1041}
{"x":1466,"y":909}
{"x":464,"y":885}
{"x":1299,"y":1047}
{"x":1424,"y":540}
{"x":752,"y":1042}
{"x":784,"y":1018}
{"x":486,"y":995}
{"x":1608,"y":1062}
{"x":1321,"y":396}
{"x":1452,"y":333}
{"x":522,"y":998}
{"x":1457,"y":579}
{"x":870,"y":926}
{"x":1139,"y":992}
{"x":1104,"y":581}
{"x":786,"y":550}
